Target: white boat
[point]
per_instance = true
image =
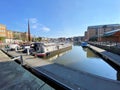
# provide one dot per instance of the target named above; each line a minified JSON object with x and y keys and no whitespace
{"x":46,"y":49}
{"x":14,"y":46}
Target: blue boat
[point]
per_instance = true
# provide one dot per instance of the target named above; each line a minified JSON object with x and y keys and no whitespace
{"x":84,"y":44}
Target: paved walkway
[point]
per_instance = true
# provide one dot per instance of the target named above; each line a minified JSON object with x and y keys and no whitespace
{"x":82,"y":80}
{"x":15,"y":77}
{"x":111,"y":56}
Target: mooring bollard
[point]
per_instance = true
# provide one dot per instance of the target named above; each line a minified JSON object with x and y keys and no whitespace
{"x":28,"y":52}
{"x":21,"y":59}
{"x":7,"y":50}
{"x":35,"y":55}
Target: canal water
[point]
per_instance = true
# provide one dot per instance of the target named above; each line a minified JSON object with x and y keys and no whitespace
{"x":84,"y":59}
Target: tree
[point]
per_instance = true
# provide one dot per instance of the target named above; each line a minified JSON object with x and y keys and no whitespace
{"x":2,"y":38}
{"x":39,"y":39}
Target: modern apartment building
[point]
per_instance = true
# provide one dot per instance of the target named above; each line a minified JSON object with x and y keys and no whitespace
{"x":99,"y":30}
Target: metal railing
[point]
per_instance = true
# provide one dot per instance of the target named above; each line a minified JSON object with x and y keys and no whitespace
{"x":20,"y":59}
{"x":109,"y":46}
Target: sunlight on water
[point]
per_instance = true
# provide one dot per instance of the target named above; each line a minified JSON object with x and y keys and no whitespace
{"x":84,"y":59}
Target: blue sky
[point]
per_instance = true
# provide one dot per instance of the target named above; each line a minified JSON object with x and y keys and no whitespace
{"x":58,"y":18}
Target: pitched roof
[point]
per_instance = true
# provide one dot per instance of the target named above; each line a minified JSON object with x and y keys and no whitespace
{"x":110,"y":33}
{"x":101,"y":26}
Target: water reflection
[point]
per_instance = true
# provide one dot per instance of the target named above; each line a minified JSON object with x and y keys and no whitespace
{"x":55,"y":56}
{"x":84,"y":59}
{"x":90,"y":54}
{"x":84,"y":48}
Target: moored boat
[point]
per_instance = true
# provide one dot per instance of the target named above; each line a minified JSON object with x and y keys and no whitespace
{"x":84,"y":44}
{"x":47,"y":49}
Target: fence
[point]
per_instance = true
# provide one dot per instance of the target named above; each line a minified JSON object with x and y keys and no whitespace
{"x":109,"y":46}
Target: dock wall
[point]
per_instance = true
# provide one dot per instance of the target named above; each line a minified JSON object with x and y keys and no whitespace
{"x":106,"y":55}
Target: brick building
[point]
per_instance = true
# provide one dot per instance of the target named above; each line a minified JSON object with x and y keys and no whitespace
{"x":9,"y":36}
{"x":2,"y":32}
{"x":111,"y":36}
{"x":85,"y":36}
{"x":99,"y":30}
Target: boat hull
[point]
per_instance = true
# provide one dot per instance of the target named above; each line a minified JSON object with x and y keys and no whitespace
{"x":52,"y":53}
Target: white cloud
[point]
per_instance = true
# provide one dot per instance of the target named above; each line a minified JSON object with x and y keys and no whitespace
{"x":38,"y":26}
{"x":46,"y":29}
{"x":35,"y":25}
{"x":33,"y":20}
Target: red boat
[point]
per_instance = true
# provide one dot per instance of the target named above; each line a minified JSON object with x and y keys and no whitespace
{"x":41,"y":54}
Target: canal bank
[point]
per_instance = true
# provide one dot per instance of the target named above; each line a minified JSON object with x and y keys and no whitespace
{"x":80,"y":79}
{"x":14,"y":77}
{"x":106,"y":55}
